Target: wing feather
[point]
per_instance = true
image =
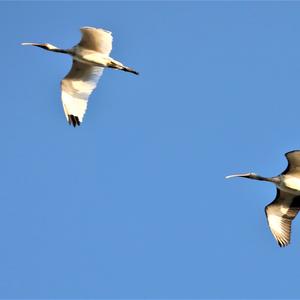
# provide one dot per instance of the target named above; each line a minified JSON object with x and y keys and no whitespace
{"x":280,"y":214}
{"x":76,"y":88}
{"x":293,"y":159}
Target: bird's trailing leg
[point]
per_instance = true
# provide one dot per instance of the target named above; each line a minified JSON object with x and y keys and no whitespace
{"x":126,"y":69}
{"x":119,"y":66}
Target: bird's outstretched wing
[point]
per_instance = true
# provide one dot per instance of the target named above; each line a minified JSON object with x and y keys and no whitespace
{"x":280,"y":214}
{"x":96,"y":39}
{"x":293,"y":158}
{"x":76,"y":88}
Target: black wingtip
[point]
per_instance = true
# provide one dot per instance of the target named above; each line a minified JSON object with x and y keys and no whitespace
{"x":282,"y":245}
{"x":73,"y":120}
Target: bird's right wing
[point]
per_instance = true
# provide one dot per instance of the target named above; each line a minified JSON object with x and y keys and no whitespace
{"x":280,"y":214}
{"x":96,"y":39}
{"x":76,"y":88}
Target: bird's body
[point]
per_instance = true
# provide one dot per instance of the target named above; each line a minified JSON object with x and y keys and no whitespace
{"x":90,"y":57}
{"x":289,"y":184}
{"x":286,"y":204}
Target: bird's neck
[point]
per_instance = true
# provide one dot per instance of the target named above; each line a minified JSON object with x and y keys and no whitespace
{"x":254,"y":176}
{"x":60,"y":50}
{"x":52,"y":48}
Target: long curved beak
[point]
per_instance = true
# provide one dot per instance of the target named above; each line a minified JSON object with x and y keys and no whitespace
{"x":30,"y":44}
{"x":247,"y":175}
{"x":43,"y":46}
{"x":255,"y":177}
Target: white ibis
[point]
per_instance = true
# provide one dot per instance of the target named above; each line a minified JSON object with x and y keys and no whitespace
{"x":286,"y":204}
{"x":90,"y":57}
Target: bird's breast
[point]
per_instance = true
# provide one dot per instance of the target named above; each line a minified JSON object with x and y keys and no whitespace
{"x":290,"y":184}
{"x":90,"y":57}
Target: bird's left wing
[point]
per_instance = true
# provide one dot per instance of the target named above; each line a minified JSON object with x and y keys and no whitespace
{"x":96,"y":39}
{"x":76,"y":88}
{"x":280,"y":214}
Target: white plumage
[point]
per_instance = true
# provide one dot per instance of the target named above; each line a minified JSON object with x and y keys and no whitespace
{"x":286,"y":205}
{"x":90,"y":57}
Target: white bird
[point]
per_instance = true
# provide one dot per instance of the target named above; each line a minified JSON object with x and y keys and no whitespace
{"x":90,"y":57}
{"x":286,"y":204}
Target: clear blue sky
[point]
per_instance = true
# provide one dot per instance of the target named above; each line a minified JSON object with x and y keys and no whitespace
{"x":133,"y":203}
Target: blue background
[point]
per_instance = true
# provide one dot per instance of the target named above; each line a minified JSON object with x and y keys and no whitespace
{"x":133,"y":203}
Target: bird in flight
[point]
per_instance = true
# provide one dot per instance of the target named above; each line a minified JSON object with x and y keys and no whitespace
{"x":286,"y":205}
{"x":90,"y":57}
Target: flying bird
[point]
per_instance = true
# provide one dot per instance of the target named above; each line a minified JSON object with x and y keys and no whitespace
{"x":286,"y":205}
{"x":90,"y":57}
